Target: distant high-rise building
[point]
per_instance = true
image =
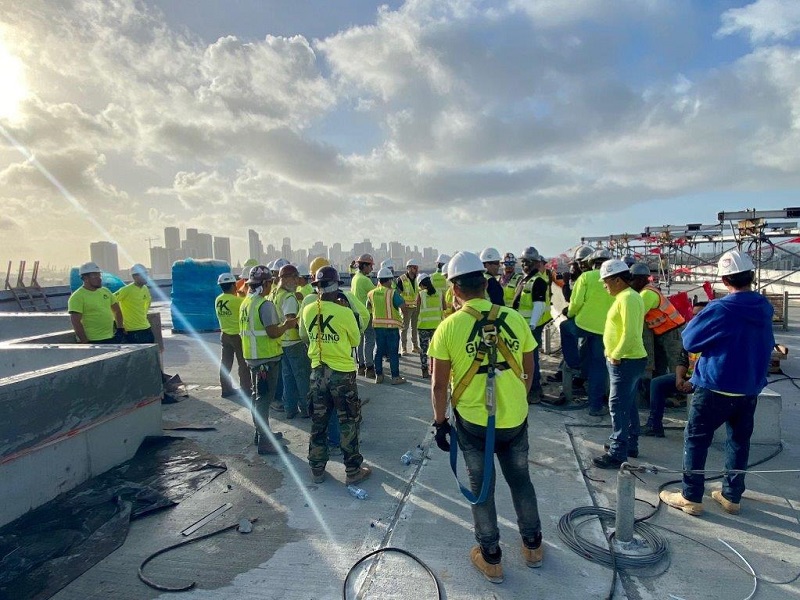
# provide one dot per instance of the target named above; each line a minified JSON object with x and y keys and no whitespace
{"x":205,"y":245}
{"x":222,"y":249}
{"x":172,"y":238}
{"x":160,"y":263}
{"x":286,"y":249}
{"x":105,"y":255}
{"x":254,"y":245}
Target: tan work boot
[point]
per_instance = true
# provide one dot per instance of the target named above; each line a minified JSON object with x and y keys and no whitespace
{"x":676,"y":500}
{"x":379,"y":378}
{"x":493,"y":573}
{"x":398,"y":380}
{"x":533,"y":556}
{"x":317,"y":475}
{"x":358,"y":476}
{"x":729,"y":507}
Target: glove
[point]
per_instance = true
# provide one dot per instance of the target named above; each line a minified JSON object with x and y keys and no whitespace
{"x":442,"y":435}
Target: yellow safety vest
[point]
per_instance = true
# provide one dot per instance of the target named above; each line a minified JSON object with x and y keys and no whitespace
{"x":291,"y":335}
{"x":227,"y":307}
{"x":439,"y":282}
{"x":526,"y":299}
{"x":510,"y":289}
{"x":256,"y":343}
{"x":449,"y":296}
{"x":306,"y":289}
{"x":409,"y":293}
{"x":384,"y":314}
{"x":430,"y":310}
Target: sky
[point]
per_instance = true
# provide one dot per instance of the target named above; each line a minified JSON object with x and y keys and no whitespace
{"x":456,"y":124}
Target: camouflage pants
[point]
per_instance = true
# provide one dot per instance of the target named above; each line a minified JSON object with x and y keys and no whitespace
{"x":264,"y":380}
{"x":425,"y":336}
{"x":334,"y":390}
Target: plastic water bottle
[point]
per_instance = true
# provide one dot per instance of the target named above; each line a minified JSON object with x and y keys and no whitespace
{"x":357,"y":492}
{"x":407,"y":458}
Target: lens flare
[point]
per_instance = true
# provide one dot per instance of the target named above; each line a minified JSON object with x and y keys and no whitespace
{"x":12,"y":84}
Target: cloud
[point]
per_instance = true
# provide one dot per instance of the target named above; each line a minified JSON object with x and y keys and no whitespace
{"x":763,"y":21}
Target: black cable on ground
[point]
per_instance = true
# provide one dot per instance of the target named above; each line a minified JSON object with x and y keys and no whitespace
{"x":185,"y":588}
{"x":439,"y":592}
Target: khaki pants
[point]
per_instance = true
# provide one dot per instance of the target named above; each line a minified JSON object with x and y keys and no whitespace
{"x":409,"y":318}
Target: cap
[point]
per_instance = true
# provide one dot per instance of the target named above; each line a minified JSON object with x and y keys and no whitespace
{"x":89,"y":267}
{"x":226,"y":278}
{"x":612,"y":267}
{"x":734,"y":261}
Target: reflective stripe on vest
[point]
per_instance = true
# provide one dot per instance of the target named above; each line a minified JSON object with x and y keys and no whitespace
{"x":526,"y":299}
{"x":256,"y":343}
{"x":510,"y":289}
{"x":409,"y":293}
{"x":384,"y":314}
{"x":291,"y":335}
{"x":665,"y":317}
{"x":430,"y":310}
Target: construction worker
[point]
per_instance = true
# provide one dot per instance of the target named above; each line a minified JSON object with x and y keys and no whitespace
{"x":362,"y":317}
{"x":304,"y":287}
{"x":295,"y":366}
{"x":385,"y":303}
{"x":361,"y":285}
{"x":449,"y":299}
{"x":532,"y":301}
{"x":430,"y":314}
{"x":227,"y":306}
{"x":388,"y":264}
{"x":438,"y":280}
{"x":407,"y":286}
{"x":134,"y":301}
{"x":261,"y":332}
{"x":586,"y":319}
{"x":332,"y":332}
{"x":626,"y":359}
{"x":352,"y":269}
{"x":734,"y":338}
{"x":455,"y":353}
{"x":491,"y":262}
{"x":509,"y":278}
{"x":94,"y":311}
{"x":241,"y":284}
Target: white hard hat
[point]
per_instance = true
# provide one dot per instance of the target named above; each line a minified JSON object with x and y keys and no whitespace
{"x":139,"y":269}
{"x":387,"y":264}
{"x":463,"y":263}
{"x":442,"y":259}
{"x":612,"y":267}
{"x":444,"y":270}
{"x":246,"y":272}
{"x":385,"y":273}
{"x":226,"y":278}
{"x":422,"y":276}
{"x":734,"y":261}
{"x":89,"y":267}
{"x":412,"y":262}
{"x":281,"y":262}
{"x":490,"y":255}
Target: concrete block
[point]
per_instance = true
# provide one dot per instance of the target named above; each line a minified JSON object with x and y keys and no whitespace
{"x":20,"y":325}
{"x":767,"y":428}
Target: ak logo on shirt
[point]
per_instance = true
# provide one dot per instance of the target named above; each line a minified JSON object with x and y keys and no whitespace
{"x":223,"y":309}
{"x":325,"y":331}
{"x":503,"y":330}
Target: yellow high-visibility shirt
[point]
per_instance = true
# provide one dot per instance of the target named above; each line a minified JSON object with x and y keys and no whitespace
{"x":332,"y":334}
{"x":134,"y":302}
{"x":590,"y":302}
{"x":94,"y":306}
{"x":622,"y":337}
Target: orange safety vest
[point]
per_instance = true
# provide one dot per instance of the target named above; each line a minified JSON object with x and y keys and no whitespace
{"x":665,"y":317}
{"x":384,"y":314}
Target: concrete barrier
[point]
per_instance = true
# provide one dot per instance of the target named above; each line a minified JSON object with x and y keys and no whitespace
{"x":23,"y":325}
{"x":68,"y":413}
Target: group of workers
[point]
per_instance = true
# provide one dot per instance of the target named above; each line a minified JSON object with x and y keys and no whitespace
{"x":302,"y":344}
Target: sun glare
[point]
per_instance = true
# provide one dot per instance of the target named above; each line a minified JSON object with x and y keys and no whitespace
{"x":12,"y":84}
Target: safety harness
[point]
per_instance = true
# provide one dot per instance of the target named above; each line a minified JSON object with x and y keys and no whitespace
{"x":490,"y":343}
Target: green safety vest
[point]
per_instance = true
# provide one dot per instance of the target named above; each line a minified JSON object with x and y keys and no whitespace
{"x":430,"y":310}
{"x":439,"y":282}
{"x":291,"y":335}
{"x":306,"y":289}
{"x":409,"y":293}
{"x":510,"y":289}
{"x":384,"y":313}
{"x":227,"y":308}
{"x":526,"y":299}
{"x":256,"y":343}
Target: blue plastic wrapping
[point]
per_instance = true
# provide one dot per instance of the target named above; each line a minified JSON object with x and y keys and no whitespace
{"x":110,"y":281}
{"x":194,"y":289}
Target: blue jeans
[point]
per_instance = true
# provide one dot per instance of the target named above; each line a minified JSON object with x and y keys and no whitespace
{"x":570,"y":333}
{"x":296,"y":373}
{"x":387,"y":342}
{"x":708,"y":411}
{"x":366,"y":347}
{"x":660,"y":388}
{"x":511,"y":448}
{"x":537,"y":374}
{"x":595,"y":369}
{"x":624,"y":379}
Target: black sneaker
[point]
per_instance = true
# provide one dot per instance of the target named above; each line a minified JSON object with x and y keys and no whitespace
{"x":606,"y":462}
{"x":631,"y":454}
{"x":651,"y":432}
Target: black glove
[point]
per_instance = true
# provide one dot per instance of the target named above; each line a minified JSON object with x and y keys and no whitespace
{"x":442,"y":432}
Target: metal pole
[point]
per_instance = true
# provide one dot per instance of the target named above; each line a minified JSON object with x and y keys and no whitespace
{"x":626,"y":499}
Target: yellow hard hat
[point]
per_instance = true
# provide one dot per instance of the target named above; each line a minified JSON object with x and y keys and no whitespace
{"x":317,"y":264}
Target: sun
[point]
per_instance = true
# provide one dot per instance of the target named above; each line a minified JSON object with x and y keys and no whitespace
{"x":13,"y":89}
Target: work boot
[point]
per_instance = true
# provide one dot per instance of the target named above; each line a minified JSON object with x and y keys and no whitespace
{"x":533,"y":556}
{"x":650,"y":431}
{"x":358,"y":476}
{"x":379,"y":378}
{"x":676,"y":500}
{"x":266,"y":447}
{"x":425,"y":373}
{"x":631,"y":453}
{"x":492,"y":572}
{"x":278,"y":436}
{"x":362,"y":370}
{"x":317,"y":475}
{"x":606,"y":461}
{"x":398,"y":380}
{"x":369,"y":372}
{"x":732,"y":508}
{"x":554,"y":401}
{"x":557,"y":377}
{"x":415,"y":350}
